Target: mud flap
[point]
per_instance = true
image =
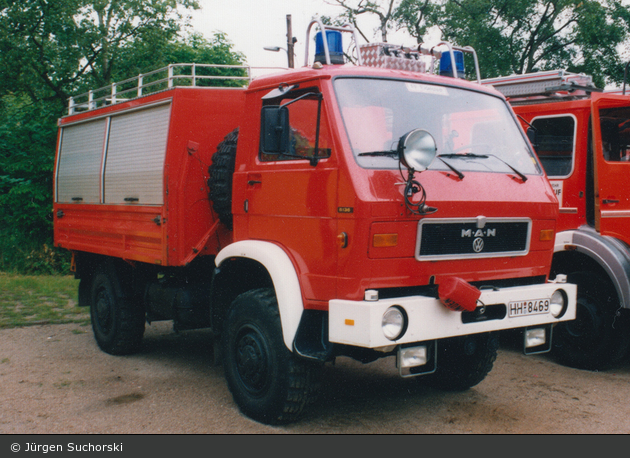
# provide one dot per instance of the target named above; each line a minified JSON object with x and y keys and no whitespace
{"x":311,"y":340}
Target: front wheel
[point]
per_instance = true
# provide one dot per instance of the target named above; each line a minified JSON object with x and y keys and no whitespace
{"x":599,"y":337}
{"x":117,"y":323}
{"x":269,"y":384}
{"x":463,"y":362}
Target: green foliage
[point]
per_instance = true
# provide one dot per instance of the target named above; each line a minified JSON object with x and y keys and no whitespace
{"x":50,"y":50}
{"x":143,"y":57}
{"x":523,"y":36}
{"x":514,"y":36}
{"x":27,"y":131}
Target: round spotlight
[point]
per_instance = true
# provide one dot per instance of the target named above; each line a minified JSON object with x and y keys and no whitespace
{"x":417,"y":149}
{"x":558,"y":303}
{"x":394,"y":323}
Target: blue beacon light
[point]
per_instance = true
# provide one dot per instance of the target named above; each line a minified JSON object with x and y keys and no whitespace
{"x":446,"y":66}
{"x":335,"y":47}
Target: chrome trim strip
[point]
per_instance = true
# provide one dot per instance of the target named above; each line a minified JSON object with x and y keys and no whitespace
{"x":444,"y":257}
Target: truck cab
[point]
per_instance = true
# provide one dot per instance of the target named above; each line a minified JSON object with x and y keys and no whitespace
{"x":581,"y":138}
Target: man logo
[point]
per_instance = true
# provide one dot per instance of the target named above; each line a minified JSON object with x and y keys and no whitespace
{"x":478,"y":245}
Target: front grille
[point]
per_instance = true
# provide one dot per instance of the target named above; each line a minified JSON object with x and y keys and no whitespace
{"x":473,"y":237}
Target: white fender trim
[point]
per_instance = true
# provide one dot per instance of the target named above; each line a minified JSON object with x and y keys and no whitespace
{"x":283,"y":275}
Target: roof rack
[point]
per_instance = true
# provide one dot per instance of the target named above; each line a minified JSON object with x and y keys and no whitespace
{"x":158,"y":80}
{"x":550,"y":84}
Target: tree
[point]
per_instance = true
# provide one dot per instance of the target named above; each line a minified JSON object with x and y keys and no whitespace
{"x":415,"y":16}
{"x":145,"y":56}
{"x":515,"y":36}
{"x":50,"y":49}
{"x":523,"y":36}
{"x":352,"y":12}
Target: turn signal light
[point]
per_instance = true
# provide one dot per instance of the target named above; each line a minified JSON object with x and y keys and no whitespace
{"x":546,"y":235}
{"x":384,"y":240}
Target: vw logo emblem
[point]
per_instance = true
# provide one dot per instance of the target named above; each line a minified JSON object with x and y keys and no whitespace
{"x":478,"y":245}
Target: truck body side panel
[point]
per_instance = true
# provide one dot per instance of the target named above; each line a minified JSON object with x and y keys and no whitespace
{"x":131,"y":180}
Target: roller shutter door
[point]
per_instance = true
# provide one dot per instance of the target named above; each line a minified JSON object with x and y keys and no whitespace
{"x":80,"y":159}
{"x":134,"y":167}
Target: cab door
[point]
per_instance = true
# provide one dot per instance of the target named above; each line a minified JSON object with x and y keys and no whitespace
{"x":291,"y":198}
{"x":611,"y":147}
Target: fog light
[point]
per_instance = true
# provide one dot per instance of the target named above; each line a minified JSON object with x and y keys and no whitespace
{"x":394,"y":323}
{"x":535,"y":337}
{"x":413,"y":356}
{"x":558,"y":303}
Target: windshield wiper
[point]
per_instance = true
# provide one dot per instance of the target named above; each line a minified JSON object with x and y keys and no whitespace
{"x":463,"y":155}
{"x":457,"y":172}
{"x":391,"y":153}
{"x":521,"y":176}
{"x":483,"y":156}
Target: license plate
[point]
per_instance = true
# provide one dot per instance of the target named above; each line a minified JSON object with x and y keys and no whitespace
{"x":526,"y":308}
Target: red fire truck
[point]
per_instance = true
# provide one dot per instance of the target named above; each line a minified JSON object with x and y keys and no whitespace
{"x":336,"y":210}
{"x":582,"y":139}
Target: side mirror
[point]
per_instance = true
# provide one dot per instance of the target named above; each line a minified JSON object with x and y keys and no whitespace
{"x":533,"y":137}
{"x":274,"y":130}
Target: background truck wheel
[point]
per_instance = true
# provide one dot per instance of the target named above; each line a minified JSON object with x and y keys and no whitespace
{"x":463,"y":362}
{"x":599,"y":337}
{"x":118,"y":324}
{"x":220,"y":181}
{"x":268,"y":382}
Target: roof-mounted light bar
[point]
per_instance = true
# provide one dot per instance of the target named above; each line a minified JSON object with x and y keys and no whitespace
{"x":396,"y":57}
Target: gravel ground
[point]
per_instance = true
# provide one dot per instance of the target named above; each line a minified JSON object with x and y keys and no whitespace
{"x":55,"y":380}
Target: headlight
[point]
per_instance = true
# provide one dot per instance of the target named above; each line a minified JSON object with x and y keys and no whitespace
{"x":558,"y":303}
{"x":394,"y":323}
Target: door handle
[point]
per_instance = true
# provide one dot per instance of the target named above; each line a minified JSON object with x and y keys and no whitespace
{"x":253,"y":182}
{"x":610,"y":201}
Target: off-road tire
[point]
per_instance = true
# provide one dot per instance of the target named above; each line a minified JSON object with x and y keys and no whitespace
{"x":463,"y":362}
{"x":220,"y":181}
{"x":117,"y":322}
{"x":268,"y":382}
{"x":599,"y":337}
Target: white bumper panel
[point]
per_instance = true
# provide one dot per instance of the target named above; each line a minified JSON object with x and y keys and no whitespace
{"x":358,"y":323}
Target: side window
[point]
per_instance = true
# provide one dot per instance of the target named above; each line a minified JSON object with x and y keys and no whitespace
{"x":615,"y":127}
{"x":303,"y":116}
{"x":555,"y":144}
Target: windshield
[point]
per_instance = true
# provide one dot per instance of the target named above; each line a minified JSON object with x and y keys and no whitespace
{"x":473,"y":131}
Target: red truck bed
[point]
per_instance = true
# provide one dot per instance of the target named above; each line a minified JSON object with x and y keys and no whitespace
{"x":130,"y":179}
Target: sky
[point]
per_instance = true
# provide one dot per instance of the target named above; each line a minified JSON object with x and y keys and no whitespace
{"x":252,"y":24}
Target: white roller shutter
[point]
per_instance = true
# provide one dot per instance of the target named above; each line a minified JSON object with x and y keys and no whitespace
{"x":80,"y":159}
{"x":134,"y":168}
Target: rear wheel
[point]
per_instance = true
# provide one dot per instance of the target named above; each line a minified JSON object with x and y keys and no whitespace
{"x":599,"y":337}
{"x":117,"y":322}
{"x":463,"y":362}
{"x":268,"y":382}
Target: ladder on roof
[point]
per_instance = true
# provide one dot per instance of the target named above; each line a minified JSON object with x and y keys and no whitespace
{"x":556,"y":83}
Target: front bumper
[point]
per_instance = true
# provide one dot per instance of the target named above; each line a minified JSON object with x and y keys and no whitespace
{"x":358,"y":323}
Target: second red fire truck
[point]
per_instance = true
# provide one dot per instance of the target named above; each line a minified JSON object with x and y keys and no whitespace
{"x":582,"y":137}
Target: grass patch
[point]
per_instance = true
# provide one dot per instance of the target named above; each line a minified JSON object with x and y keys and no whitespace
{"x":40,"y":299}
